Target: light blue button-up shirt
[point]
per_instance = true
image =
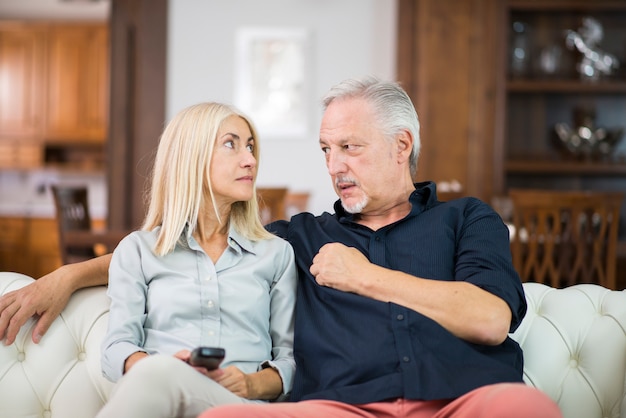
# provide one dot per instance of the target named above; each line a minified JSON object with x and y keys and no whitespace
{"x":243,"y":303}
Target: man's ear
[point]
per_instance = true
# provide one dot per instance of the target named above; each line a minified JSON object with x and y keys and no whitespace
{"x":404,"y":141}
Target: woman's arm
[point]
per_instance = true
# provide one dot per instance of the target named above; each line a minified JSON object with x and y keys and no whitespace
{"x":47,"y":296}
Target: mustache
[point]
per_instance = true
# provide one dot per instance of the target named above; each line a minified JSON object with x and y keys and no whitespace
{"x":346,"y":180}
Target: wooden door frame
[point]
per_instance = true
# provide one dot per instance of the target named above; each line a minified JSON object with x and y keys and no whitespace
{"x":138,"y":39}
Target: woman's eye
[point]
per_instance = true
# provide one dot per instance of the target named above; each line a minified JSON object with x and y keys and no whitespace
{"x":250,"y":147}
{"x":229,"y":144}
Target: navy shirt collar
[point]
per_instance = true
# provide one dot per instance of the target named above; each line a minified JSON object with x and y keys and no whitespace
{"x":424,"y":197}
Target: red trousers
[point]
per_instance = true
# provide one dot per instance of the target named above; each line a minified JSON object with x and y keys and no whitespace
{"x":495,"y":401}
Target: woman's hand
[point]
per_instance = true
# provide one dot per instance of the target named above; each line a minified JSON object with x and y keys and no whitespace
{"x":264,"y":384}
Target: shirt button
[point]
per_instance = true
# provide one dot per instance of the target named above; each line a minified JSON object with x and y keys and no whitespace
{"x":210,"y":304}
{"x":400,"y":317}
{"x":406,"y":359}
{"x":211,"y":333}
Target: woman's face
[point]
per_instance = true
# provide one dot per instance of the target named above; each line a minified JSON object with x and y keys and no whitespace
{"x":233,"y":166}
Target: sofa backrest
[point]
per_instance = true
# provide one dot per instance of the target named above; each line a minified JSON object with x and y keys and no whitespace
{"x":574,"y":343}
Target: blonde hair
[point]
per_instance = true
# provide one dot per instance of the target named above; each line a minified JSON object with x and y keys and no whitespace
{"x":181,"y":183}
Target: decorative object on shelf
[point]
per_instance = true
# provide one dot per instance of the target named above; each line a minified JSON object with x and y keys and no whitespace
{"x":550,"y":60}
{"x":520,"y":53}
{"x":595,"y":62}
{"x":585,"y":139}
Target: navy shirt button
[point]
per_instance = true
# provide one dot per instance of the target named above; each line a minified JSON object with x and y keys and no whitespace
{"x":400,"y":317}
{"x":406,"y":359}
{"x":377,"y":239}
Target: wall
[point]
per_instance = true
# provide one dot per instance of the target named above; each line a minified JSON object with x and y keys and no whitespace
{"x":348,"y":38}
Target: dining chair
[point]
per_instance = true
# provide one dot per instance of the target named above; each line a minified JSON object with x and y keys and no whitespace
{"x":565,"y":237}
{"x":72,"y":214}
{"x":296,"y":202}
{"x":272,"y":203}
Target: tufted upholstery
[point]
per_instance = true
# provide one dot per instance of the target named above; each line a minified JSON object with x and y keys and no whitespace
{"x":60,"y":377}
{"x":574,"y":343}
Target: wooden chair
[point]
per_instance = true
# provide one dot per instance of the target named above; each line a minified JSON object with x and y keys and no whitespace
{"x":565,"y":237}
{"x":272,"y":203}
{"x":296,"y":203}
{"x":72,"y":214}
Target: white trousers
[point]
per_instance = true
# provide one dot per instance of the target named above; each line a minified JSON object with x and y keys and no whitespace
{"x":162,"y":386}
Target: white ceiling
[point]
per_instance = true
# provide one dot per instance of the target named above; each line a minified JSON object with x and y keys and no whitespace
{"x":54,"y":9}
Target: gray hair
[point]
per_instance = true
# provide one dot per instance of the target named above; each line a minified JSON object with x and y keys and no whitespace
{"x":391,"y":104}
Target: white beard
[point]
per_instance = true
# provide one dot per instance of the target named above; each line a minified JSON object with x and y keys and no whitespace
{"x":356,"y":207}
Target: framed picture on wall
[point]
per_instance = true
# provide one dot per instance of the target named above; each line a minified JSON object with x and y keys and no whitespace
{"x":272,"y":80}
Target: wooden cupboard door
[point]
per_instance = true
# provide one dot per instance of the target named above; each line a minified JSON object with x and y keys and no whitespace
{"x":77,"y":84}
{"x":42,"y":247}
{"x":446,"y":56}
{"x":22,"y":93}
{"x":13,"y":244}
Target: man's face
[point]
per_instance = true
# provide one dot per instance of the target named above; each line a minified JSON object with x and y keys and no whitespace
{"x":361,"y":162}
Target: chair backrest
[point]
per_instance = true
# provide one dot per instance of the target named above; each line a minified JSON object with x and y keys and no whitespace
{"x":565,"y":237}
{"x":72,"y":213}
{"x":272,"y":203}
{"x":296,"y":203}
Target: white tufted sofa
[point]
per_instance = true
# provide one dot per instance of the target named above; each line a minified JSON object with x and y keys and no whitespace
{"x":574,"y":343}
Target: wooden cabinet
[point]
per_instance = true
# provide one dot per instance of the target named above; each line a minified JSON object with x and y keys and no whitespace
{"x":31,"y":245}
{"x":22,"y":92}
{"x":547,"y":90}
{"x":54,"y":84}
{"x":13,"y":237}
{"x":491,"y":129}
{"x":42,"y":247}
{"x":77,"y":83}
{"x":21,"y":81}
{"x":446,"y":51}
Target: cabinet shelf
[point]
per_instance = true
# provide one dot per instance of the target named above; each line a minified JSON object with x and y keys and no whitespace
{"x":566,"y":86}
{"x":585,"y":6}
{"x":561,"y":167}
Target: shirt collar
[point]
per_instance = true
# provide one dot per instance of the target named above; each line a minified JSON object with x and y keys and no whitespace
{"x":236,"y":241}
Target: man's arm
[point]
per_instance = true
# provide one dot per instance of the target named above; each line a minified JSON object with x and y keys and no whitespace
{"x":464,"y":309}
{"x":48,"y":296}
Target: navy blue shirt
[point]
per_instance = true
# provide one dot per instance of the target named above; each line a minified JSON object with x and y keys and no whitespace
{"x":354,"y":349}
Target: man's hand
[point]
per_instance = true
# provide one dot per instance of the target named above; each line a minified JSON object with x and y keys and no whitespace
{"x":340,"y":267}
{"x":45,"y":298}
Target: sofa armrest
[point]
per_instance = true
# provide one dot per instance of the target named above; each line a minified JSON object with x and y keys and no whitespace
{"x":60,"y":376}
{"x":574,"y":342}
